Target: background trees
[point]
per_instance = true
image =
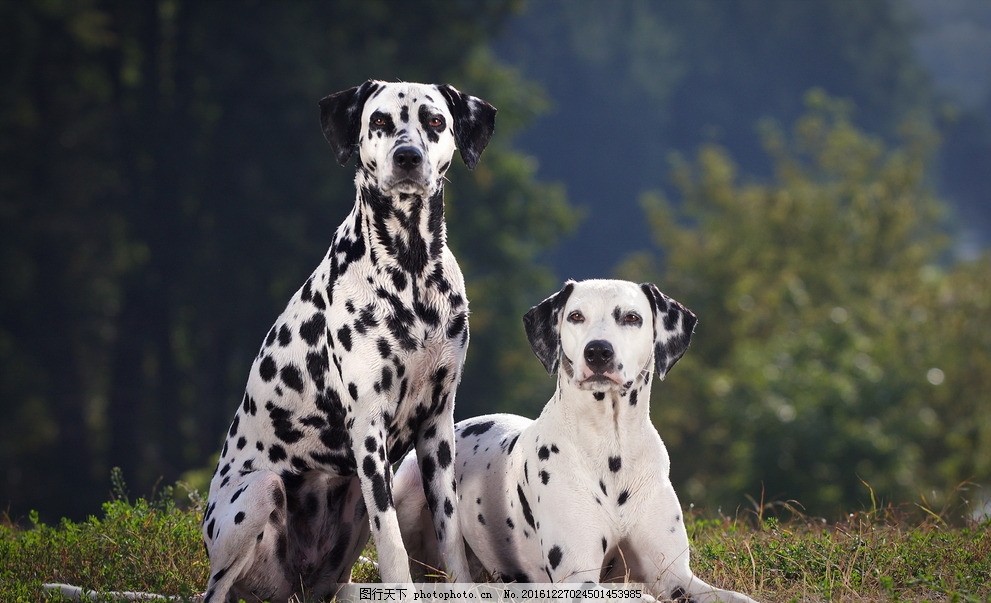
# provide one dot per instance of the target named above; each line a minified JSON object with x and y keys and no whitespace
{"x":830,"y":357}
{"x":164,"y":187}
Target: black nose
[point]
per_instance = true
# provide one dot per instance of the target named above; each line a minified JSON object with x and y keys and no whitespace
{"x":407,"y":158}
{"x":599,"y":355}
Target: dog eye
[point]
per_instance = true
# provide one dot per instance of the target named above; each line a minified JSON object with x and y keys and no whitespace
{"x":576,"y":317}
{"x":435,"y":121}
{"x":632,"y":319}
{"x":378,"y":121}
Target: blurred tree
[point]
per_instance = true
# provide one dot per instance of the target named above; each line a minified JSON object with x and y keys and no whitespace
{"x":166,"y":187}
{"x":836,"y":345}
{"x":630,"y":81}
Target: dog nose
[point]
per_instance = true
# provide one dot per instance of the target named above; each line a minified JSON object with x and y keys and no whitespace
{"x":407,"y":158}
{"x":599,"y":355}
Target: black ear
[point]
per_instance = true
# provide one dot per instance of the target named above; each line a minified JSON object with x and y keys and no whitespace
{"x":340,"y":117}
{"x":542,"y":323}
{"x":474,"y":122}
{"x":673,"y":328}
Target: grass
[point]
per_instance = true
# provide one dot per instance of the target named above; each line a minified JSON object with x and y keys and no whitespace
{"x":882,"y":555}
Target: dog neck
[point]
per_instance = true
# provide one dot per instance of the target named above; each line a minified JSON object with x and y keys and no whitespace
{"x":403,"y":230}
{"x":614,"y":414}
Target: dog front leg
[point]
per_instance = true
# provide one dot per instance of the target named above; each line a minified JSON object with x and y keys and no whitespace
{"x":375,"y":473}
{"x":435,"y":454}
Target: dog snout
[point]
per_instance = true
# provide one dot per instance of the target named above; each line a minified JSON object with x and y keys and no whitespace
{"x":599,"y":355}
{"x":407,"y":158}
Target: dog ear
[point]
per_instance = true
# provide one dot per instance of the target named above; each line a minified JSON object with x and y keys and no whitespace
{"x":673,"y":328}
{"x":340,"y":117}
{"x":542,"y":323}
{"x":474,"y":122}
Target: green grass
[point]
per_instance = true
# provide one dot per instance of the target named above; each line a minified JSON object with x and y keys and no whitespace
{"x":155,"y":546}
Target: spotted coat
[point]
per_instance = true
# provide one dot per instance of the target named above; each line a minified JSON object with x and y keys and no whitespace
{"x":360,"y":367}
{"x":582,"y":493}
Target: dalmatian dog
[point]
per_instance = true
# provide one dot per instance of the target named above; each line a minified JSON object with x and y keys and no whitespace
{"x":361,"y":366}
{"x":582,"y":493}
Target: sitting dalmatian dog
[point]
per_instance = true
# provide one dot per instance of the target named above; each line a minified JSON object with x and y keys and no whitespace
{"x":361,"y":366}
{"x":582,"y":493}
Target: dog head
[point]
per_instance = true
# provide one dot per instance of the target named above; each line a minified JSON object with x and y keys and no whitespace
{"x":604,"y":334}
{"x":406,"y":133}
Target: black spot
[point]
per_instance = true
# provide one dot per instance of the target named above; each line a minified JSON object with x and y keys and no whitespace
{"x":241,"y":441}
{"x":238,"y":493}
{"x":369,"y":466}
{"x":448,"y":507}
{"x":313,"y":329}
{"x":477,"y":428}
{"x":366,"y":318}
{"x":444,"y":455}
{"x":234,"y":424}
{"x":285,"y":337}
{"x":623,"y":496}
{"x":457,"y":325}
{"x":509,"y":522}
{"x":599,"y":396}
{"x":319,"y":302}
{"x":428,"y":469}
{"x":276,"y":453}
{"x":282,"y":424}
{"x":291,"y":377}
{"x":386,"y":378}
{"x":370,"y":444}
{"x":604,"y":544}
{"x":270,"y":339}
{"x":544,"y":477}
{"x":398,"y":279}
{"x":344,"y":336}
{"x":543,"y":453}
{"x":316,"y":366}
{"x":385,"y":350}
{"x":615,"y":463}
{"x":481,"y":519}
{"x":267,"y":369}
{"x":239,"y":518}
{"x":353,"y":390}
{"x":554,"y":448}
{"x":512,"y":443}
{"x":210,"y":527}
{"x":554,"y":556}
{"x":602,"y":486}
{"x":220,"y":574}
{"x":383,"y":500}
{"x":527,"y":514}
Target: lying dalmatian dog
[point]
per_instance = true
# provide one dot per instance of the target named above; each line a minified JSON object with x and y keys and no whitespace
{"x":582,"y":493}
{"x":361,"y":366}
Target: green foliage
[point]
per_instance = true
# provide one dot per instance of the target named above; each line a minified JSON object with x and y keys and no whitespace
{"x":145,"y":546}
{"x":837,"y":342}
{"x":166,"y":187}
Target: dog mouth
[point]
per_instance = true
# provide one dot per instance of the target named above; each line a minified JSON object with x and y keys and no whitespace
{"x":599,"y":381}
{"x":408,"y":186}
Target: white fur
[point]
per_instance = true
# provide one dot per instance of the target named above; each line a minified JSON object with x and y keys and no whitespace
{"x":592,"y":467}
